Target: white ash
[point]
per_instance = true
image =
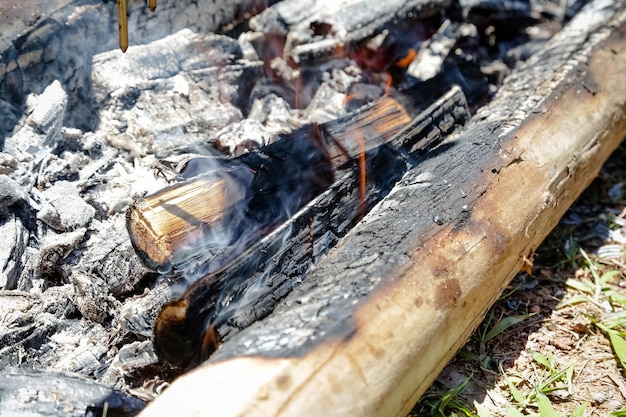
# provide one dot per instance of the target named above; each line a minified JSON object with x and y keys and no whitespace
{"x":54,"y":248}
{"x":8,"y":163}
{"x":274,"y":113}
{"x":91,"y":296}
{"x":430,"y":57}
{"x":42,"y":128}
{"x":63,"y":209}
{"x":241,"y":137}
{"x":10,"y":194}
{"x":190,"y":86}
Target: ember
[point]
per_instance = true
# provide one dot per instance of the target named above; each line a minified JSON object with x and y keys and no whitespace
{"x":242,"y":158}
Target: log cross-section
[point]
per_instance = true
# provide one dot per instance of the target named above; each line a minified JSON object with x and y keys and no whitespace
{"x":381,"y":315}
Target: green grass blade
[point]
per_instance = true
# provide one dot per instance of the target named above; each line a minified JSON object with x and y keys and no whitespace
{"x":545,"y":406}
{"x":619,"y":347}
{"x":579,"y":411}
{"x":581,"y":286}
{"x":517,"y":395}
{"x":576,"y":299}
{"x":481,"y":410}
{"x":541,"y":359}
{"x":615,"y":320}
{"x":618,"y":298}
{"x":546,"y":387}
{"x":569,"y":374}
{"x":513,"y":412}
{"x":609,"y":275}
{"x":504,"y":324}
{"x":619,"y":413}
{"x":591,"y":265}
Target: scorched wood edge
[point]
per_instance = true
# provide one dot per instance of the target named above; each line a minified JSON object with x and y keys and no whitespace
{"x":372,"y":326}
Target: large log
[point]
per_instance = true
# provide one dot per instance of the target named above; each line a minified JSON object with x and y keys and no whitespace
{"x":374,"y":323}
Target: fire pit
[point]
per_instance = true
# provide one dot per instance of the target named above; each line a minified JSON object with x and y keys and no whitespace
{"x":316,"y":205}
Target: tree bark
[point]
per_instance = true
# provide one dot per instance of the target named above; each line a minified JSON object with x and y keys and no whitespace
{"x":371,"y":327}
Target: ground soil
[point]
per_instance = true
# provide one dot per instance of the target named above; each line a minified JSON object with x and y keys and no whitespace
{"x":556,"y":329}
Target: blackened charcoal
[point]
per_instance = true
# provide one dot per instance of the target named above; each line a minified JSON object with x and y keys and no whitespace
{"x":12,"y":247}
{"x":56,"y":394}
{"x":312,"y":33}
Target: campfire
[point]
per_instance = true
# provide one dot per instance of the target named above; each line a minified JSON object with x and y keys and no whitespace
{"x":289,"y":207}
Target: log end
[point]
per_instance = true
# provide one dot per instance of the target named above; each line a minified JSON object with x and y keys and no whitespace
{"x":164,"y":227}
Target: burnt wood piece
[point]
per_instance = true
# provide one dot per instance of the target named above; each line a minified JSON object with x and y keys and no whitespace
{"x":204,"y":222}
{"x":248,"y":289}
{"x":379,"y":317}
{"x":321,"y":29}
{"x":56,"y":394}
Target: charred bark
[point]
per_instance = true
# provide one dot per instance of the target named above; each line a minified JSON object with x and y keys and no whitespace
{"x":385,"y":310}
{"x":314,"y":34}
{"x":210,"y":219}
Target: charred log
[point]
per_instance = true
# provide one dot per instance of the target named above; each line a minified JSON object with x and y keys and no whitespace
{"x":239,"y":201}
{"x":249,"y":287}
{"x":381,"y":315}
{"x":312,"y":34}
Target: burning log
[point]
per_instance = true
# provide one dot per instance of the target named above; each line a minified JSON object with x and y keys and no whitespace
{"x":273,"y":266}
{"x":379,"y":317}
{"x":258,"y":190}
{"x":312,"y":32}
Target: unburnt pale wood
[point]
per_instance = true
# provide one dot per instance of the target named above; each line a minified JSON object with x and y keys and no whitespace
{"x":374,"y":323}
{"x":167,"y":219}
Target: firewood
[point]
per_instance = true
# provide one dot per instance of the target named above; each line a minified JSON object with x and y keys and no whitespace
{"x":373,"y":324}
{"x":203,"y":216}
{"x":248,"y":288}
{"x":314,"y":34}
{"x":163,"y":222}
